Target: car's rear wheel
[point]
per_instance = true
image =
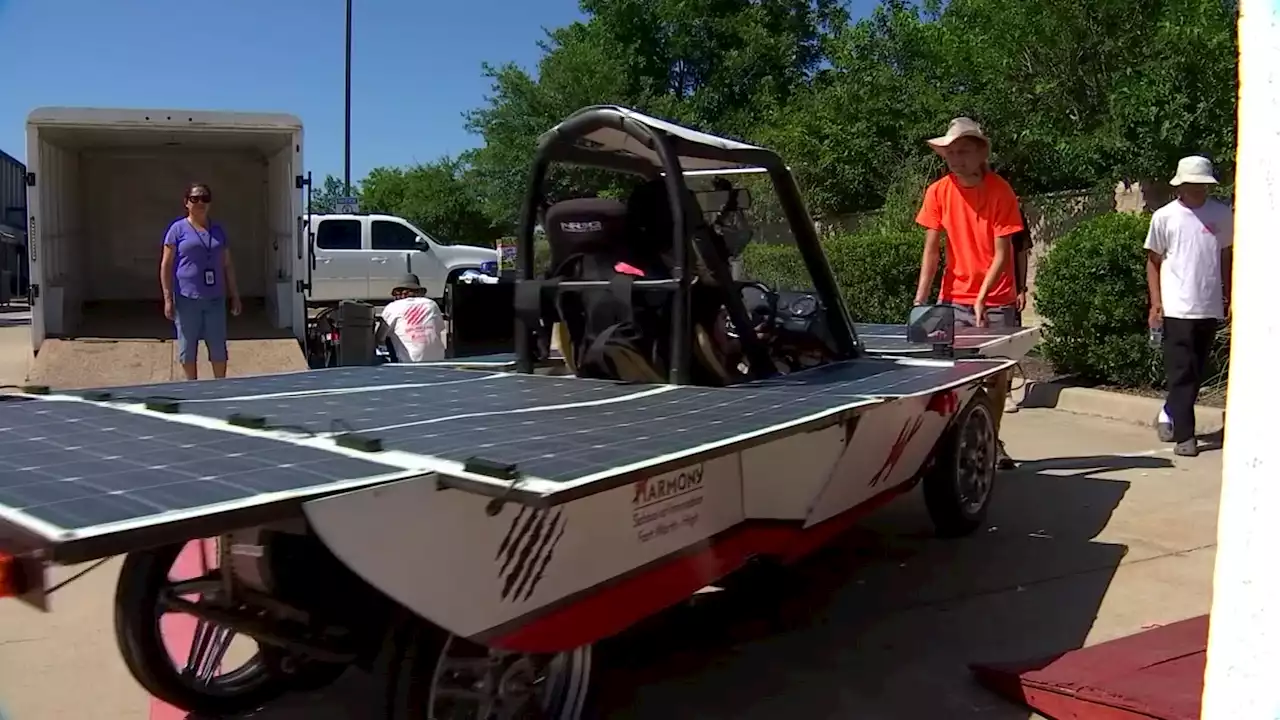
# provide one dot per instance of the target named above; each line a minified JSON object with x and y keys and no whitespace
{"x":216,"y":672}
{"x":199,"y":682}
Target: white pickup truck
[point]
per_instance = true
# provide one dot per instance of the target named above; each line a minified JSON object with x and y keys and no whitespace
{"x":362,"y":257}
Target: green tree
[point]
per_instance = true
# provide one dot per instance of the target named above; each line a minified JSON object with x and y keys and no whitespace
{"x":437,"y":196}
{"x":1086,"y":92}
{"x":865,"y":117}
{"x":325,"y":198}
{"x":1075,"y":94}
{"x":719,"y":65}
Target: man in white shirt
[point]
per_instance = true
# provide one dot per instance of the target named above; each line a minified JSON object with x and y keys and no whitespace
{"x":413,"y":323}
{"x":1189,"y":280}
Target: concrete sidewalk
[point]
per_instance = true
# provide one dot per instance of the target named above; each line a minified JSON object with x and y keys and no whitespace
{"x":1099,"y":534}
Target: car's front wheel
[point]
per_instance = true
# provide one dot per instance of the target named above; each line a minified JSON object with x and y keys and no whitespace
{"x":959,"y":483}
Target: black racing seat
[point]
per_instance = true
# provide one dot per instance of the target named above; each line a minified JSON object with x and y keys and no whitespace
{"x":649,"y":225}
{"x":612,"y":332}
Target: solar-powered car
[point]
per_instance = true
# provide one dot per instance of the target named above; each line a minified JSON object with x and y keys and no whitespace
{"x":482,"y":526}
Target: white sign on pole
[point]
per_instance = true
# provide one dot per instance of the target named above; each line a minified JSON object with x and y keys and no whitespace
{"x":347,"y":205}
{"x":506,"y":256}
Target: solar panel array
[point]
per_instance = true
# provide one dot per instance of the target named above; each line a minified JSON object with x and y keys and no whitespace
{"x":76,"y":464}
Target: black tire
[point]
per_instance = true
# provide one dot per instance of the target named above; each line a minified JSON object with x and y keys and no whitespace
{"x":412,"y":652}
{"x":415,"y":654}
{"x":137,"y":625}
{"x":966,"y":453}
{"x":446,"y":295}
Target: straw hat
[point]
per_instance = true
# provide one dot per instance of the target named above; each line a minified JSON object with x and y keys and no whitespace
{"x":959,"y":127}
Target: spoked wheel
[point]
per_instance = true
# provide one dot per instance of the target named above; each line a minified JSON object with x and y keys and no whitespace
{"x":219,"y":672}
{"x":959,"y":484}
{"x":462,"y":680}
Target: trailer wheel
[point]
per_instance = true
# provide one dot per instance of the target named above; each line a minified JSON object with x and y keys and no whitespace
{"x":438,"y":676}
{"x":959,"y":483}
{"x":196,"y":687}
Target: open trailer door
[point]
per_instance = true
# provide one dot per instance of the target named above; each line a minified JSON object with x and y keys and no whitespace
{"x":35,"y":253}
{"x":306,"y":240}
{"x":302,"y":242}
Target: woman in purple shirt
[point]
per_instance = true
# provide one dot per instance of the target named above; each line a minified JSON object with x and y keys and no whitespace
{"x":198,"y":282}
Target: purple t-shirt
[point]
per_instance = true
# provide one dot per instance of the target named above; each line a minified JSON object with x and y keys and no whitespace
{"x":198,"y":269}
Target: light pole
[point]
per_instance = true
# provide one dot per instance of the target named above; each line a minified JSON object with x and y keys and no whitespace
{"x":346,"y":139}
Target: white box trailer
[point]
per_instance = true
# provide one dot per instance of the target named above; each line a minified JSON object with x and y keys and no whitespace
{"x":103,"y":185}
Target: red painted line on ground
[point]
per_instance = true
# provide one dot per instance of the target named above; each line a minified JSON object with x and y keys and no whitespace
{"x":177,"y":629}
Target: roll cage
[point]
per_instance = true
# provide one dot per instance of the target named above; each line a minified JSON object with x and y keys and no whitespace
{"x":624,"y":140}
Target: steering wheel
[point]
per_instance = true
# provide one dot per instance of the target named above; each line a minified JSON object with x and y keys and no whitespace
{"x":761,"y":303}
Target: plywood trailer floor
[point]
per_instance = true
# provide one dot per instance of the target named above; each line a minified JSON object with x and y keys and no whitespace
{"x":131,"y":342}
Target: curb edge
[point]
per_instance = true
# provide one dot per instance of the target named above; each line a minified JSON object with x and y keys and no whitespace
{"x":1131,"y":409}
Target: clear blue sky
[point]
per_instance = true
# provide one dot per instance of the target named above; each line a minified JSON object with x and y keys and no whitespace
{"x":415,"y":69}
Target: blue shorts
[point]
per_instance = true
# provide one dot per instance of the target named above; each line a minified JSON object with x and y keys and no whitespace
{"x":199,"y":319}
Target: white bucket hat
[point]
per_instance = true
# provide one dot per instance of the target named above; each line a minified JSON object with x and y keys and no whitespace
{"x":959,"y":127}
{"x":1196,"y":170}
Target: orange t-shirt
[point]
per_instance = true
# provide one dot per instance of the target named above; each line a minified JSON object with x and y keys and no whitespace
{"x":972,"y":218}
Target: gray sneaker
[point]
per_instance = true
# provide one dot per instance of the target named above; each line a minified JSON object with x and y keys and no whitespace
{"x":1187,"y":448}
{"x":1003,"y":461}
{"x":1164,"y":431}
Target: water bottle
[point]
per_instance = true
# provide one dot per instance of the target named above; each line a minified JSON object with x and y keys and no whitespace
{"x":1156,"y":337}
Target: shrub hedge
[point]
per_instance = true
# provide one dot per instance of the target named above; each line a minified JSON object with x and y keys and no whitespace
{"x":877,"y":272}
{"x":1091,"y":295}
{"x":1091,"y":292}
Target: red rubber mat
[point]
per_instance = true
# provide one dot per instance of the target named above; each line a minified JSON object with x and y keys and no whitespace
{"x":1157,"y":674}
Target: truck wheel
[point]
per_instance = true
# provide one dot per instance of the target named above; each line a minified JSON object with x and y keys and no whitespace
{"x":437,"y":676}
{"x":958,"y":484}
{"x":446,"y":295}
{"x":192,"y":684}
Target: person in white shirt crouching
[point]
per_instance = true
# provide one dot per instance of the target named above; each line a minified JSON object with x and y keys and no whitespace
{"x":1189,"y":280}
{"x":413,"y":323}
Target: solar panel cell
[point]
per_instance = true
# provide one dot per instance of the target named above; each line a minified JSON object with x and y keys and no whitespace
{"x":75,"y":465}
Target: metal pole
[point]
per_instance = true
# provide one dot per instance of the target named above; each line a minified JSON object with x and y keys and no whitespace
{"x":346,"y":140}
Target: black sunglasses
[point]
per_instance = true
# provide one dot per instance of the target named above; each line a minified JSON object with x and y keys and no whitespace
{"x":200,"y":198}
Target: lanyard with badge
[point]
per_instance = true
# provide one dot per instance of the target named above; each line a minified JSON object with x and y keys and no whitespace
{"x":210,"y":277}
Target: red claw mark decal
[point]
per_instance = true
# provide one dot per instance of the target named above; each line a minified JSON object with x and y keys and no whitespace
{"x":908,"y":431}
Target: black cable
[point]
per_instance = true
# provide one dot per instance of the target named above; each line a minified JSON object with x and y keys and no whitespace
{"x":1023,"y":374}
{"x":77,"y":576}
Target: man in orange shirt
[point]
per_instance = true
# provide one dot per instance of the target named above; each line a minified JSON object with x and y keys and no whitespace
{"x":978,"y":211}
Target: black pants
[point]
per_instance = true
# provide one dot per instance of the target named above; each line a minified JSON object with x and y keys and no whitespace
{"x":1187,"y":344}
